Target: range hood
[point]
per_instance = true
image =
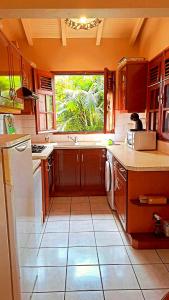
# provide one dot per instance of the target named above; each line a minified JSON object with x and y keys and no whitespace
{"x":25,"y":93}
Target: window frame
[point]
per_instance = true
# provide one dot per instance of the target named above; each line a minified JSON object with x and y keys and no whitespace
{"x":104,"y":131}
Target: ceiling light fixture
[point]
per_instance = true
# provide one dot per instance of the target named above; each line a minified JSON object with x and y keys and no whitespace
{"x":83,"y":23}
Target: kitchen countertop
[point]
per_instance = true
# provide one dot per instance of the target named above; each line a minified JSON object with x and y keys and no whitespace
{"x":35,"y":164}
{"x":140,"y":160}
{"x":130,"y":159}
{"x":66,"y":145}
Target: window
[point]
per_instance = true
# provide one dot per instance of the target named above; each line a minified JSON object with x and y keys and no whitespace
{"x":79,"y":103}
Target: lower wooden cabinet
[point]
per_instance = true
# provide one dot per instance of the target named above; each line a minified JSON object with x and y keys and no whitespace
{"x":137,"y":217}
{"x":79,"y":172}
{"x":120,"y":192}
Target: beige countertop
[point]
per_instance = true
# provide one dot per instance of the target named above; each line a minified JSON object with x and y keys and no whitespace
{"x":130,"y":159}
{"x":35,"y":164}
{"x":45,"y":153}
{"x":140,"y":160}
{"x":66,"y":145}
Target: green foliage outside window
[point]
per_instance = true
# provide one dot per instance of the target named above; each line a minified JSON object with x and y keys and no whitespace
{"x":79,"y":102}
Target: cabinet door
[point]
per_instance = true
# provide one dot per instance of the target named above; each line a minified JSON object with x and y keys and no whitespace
{"x":66,"y":171}
{"x":155,"y":74}
{"x":153,"y":107}
{"x":93,"y":170}
{"x":122,"y":83}
{"x":5,"y":76}
{"x":16,"y":74}
{"x":27,"y":74}
{"x":133,"y":87}
{"x":120,"y":197}
{"x":165,"y":111}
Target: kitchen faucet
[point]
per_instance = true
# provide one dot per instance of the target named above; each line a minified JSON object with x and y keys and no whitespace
{"x":73,"y":138}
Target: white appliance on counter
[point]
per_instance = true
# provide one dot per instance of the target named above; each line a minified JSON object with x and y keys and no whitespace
{"x":109,"y":179}
{"x":141,"y":140}
{"x":17,"y":210}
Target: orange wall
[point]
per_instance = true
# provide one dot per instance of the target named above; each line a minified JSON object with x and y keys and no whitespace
{"x":79,"y":54}
{"x":154,"y":37}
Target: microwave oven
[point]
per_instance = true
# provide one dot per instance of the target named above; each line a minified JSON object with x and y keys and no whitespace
{"x":141,"y":140}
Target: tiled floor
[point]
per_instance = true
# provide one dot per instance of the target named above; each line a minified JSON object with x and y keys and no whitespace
{"x":83,"y":254}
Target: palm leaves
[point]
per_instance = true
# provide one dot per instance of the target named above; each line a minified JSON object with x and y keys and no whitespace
{"x":80,"y":102}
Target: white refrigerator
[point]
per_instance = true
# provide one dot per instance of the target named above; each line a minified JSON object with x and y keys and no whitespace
{"x":17,"y":211}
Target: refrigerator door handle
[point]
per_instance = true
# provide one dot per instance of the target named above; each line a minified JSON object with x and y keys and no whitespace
{"x":22,"y":147}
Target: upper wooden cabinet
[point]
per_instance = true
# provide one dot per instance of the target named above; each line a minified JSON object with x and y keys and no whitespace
{"x":155,"y":70}
{"x":132,"y":86}
{"x":158,"y":95}
{"x":15,"y":72}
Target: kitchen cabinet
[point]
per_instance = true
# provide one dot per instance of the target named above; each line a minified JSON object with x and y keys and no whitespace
{"x":79,"y":171}
{"x":132,"y":86}
{"x":136,"y":217}
{"x":158,"y":95}
{"x":66,"y":171}
{"x":15,"y":72}
{"x":93,"y":169}
{"x":120,"y":192}
{"x":154,"y":93}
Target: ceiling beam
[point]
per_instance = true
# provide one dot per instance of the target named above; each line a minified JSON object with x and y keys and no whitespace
{"x":73,"y":13}
{"x":27,"y":30}
{"x":136,"y":30}
{"x":99,"y":33}
{"x":63,"y":32}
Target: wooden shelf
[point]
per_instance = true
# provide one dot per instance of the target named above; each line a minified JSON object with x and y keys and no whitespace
{"x":137,"y":202}
{"x":149,"y":241}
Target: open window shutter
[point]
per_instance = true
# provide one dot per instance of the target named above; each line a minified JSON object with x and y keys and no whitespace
{"x":45,"y":108}
{"x":109,"y":100}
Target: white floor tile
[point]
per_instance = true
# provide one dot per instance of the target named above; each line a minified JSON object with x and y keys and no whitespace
{"x":34,"y":241}
{"x":154,"y":294}
{"x":105,"y":225}
{"x":48,"y":296}
{"x":82,"y":256}
{"x":164,"y":255}
{"x":142,"y":256}
{"x":118,"y":277}
{"x":55,"y":240}
{"x":81,"y":239}
{"x":28,"y":278}
{"x":78,"y":226}
{"x":123,"y":295}
{"x":113,"y":255}
{"x":52,"y":257}
{"x":83,"y":278}
{"x":102,"y":215}
{"x":108,"y":238}
{"x":50,"y":279}
{"x":58,"y":226}
{"x":152,"y":276}
{"x":88,"y":295}
{"x":25,"y":296}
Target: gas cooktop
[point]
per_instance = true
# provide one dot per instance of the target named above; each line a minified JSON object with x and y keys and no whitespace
{"x":37,"y":148}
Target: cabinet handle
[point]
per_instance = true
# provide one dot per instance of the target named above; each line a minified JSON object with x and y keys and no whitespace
{"x":122,"y":170}
{"x":82,"y":157}
{"x":77,"y":157}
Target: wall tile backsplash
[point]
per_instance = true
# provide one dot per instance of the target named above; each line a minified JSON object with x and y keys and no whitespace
{"x":26,"y":124}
